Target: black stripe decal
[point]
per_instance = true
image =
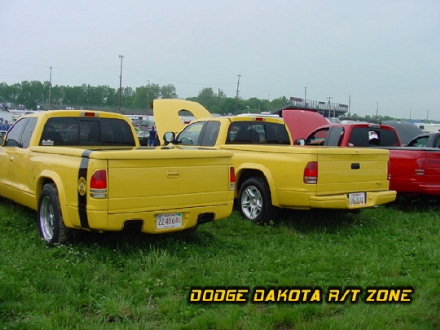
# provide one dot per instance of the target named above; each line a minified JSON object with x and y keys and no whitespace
{"x":82,"y":197}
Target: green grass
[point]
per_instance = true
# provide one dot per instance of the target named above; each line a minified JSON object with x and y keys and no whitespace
{"x":133,"y":281}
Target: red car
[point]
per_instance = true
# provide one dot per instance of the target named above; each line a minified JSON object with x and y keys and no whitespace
{"x":414,"y":170}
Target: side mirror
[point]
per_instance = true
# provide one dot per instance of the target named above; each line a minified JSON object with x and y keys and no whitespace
{"x":301,"y":142}
{"x":169,"y":137}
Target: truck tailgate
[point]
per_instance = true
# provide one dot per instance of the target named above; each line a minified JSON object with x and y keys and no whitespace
{"x":349,"y":170}
{"x":194,"y":179}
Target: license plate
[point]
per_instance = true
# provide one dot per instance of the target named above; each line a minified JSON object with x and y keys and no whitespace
{"x":169,"y":220}
{"x":356,"y":199}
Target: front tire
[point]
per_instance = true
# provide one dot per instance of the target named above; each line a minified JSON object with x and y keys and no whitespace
{"x":50,"y":219}
{"x":254,"y":201}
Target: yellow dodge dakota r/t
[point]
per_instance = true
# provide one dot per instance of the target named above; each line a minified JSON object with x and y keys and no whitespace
{"x":86,"y":170}
{"x":270,"y":171}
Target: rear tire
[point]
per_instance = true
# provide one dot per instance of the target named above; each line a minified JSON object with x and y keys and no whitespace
{"x":254,"y":201}
{"x":50,"y":219}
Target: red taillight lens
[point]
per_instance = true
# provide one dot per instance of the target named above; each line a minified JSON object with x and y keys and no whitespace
{"x":311,"y":173}
{"x":99,"y":180}
{"x":232,"y":178}
{"x":389,"y":171}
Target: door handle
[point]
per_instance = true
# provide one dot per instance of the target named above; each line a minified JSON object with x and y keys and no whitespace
{"x":173,"y":174}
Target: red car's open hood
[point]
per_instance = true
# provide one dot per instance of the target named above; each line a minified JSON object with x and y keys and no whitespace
{"x":302,"y":122}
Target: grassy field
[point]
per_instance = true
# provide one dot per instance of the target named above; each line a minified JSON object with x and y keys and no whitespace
{"x":132,"y":281}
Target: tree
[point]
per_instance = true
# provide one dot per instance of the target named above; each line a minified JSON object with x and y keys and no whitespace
{"x":127,"y":97}
{"x":278,"y":103}
{"x":168,"y":92}
{"x":140,"y":98}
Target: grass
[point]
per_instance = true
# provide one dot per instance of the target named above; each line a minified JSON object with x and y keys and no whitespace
{"x":133,"y":281}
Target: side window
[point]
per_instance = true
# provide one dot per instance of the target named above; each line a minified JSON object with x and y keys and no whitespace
{"x":419,"y":142}
{"x":317,"y":138}
{"x":210,"y":133}
{"x":27,"y":132}
{"x":190,"y":135}
{"x":14,"y":134}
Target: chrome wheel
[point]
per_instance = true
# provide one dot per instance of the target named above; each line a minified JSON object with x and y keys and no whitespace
{"x":251,"y":202}
{"x":47,"y":218}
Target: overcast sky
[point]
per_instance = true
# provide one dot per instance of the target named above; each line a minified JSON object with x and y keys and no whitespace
{"x":380,"y":52}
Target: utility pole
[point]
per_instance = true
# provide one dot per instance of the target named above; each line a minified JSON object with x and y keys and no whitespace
{"x":218,"y":101}
{"x":349,"y":105}
{"x":305,"y":96}
{"x":377,"y":110}
{"x":50,"y":87}
{"x":329,"y":105}
{"x":238,"y":85}
{"x":120,"y":84}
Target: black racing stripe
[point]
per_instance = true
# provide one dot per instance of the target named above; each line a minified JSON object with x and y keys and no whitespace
{"x":82,"y":200}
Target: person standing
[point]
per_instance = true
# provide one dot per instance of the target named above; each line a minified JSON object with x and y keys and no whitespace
{"x":152,"y":139}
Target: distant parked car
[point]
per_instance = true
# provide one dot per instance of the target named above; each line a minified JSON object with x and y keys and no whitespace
{"x":430,"y":140}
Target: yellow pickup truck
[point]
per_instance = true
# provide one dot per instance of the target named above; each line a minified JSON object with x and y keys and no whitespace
{"x":270,"y":171}
{"x":86,"y":170}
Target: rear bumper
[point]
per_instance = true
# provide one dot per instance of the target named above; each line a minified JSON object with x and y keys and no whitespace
{"x":308,"y":200}
{"x":374,"y":198}
{"x":102,"y":221}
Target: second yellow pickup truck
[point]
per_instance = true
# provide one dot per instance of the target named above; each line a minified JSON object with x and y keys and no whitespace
{"x":270,"y":171}
{"x":86,"y":170}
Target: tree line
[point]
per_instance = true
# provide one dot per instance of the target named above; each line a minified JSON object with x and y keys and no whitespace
{"x":33,"y":94}
{"x":36,"y":94}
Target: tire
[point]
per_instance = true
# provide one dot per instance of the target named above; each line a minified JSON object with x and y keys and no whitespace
{"x":50,"y":220}
{"x":254,"y":201}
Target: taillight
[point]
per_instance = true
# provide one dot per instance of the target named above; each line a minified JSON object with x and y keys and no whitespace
{"x":389,"y":170}
{"x":232,"y":178}
{"x":421,"y":167}
{"x":311,"y":173}
{"x":98,"y":184}
{"x":89,"y":114}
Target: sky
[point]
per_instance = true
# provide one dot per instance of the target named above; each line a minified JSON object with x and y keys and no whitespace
{"x":383,"y":55}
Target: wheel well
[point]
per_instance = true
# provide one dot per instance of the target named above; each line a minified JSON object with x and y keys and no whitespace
{"x":246,"y":174}
{"x":41,"y":184}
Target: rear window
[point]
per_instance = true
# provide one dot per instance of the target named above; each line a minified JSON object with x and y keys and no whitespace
{"x":77,"y":131}
{"x":368,"y":137}
{"x":242,"y":132}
